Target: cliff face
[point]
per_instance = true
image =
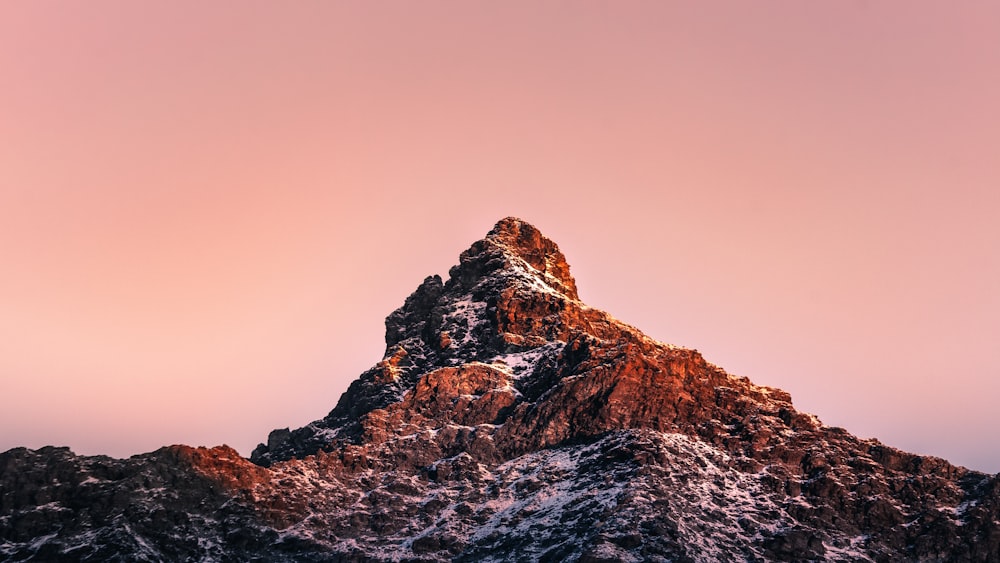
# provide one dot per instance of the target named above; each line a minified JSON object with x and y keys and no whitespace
{"x":508,"y":421}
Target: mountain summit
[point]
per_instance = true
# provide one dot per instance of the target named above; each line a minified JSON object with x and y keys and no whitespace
{"x":523,"y":247}
{"x":508,"y":421}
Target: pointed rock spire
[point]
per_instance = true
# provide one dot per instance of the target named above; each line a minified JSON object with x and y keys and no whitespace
{"x":514,"y":244}
{"x":503,"y":287}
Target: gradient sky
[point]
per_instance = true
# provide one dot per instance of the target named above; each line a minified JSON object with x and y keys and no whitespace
{"x":207,"y":209}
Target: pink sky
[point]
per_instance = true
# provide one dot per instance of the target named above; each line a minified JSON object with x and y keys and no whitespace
{"x":207,"y":209}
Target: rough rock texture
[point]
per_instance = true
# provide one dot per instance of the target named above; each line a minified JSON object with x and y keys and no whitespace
{"x":508,"y":421}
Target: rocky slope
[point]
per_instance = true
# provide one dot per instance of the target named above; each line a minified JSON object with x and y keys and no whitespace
{"x":508,"y":421}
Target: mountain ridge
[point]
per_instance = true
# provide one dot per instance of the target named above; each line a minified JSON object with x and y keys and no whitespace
{"x":507,"y":420}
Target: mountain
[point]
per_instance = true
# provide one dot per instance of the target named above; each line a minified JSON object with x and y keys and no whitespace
{"x":508,"y":421}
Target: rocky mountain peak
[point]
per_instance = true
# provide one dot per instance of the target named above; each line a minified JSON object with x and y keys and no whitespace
{"x":511,"y":288}
{"x":510,"y":293}
{"x":514,"y":244}
{"x":508,"y":421}
{"x":512,"y":304}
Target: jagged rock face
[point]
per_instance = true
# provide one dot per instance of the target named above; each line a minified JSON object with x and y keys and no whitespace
{"x":508,"y":421}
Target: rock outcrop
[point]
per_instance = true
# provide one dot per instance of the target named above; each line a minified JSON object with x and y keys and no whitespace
{"x":508,"y":421}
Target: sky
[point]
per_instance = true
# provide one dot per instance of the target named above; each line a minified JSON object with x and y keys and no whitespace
{"x":207,"y":209}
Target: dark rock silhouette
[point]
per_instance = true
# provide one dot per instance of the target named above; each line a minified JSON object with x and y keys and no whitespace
{"x":508,"y":421}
